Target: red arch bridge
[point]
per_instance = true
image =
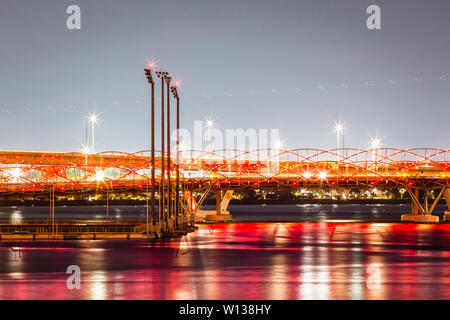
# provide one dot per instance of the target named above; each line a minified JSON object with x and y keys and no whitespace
{"x":34,"y":172}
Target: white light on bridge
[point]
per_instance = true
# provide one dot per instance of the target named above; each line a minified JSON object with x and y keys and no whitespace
{"x":15,"y":173}
{"x":278,"y":145}
{"x":375,"y":143}
{"x":307,"y":175}
{"x":322,"y":175}
{"x":99,"y":175}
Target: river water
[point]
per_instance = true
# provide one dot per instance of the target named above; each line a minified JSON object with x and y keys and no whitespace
{"x":319,"y":252}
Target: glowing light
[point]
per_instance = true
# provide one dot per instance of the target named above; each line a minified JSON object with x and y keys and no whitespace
{"x":339,"y":127}
{"x":307,"y":175}
{"x":85,"y":150}
{"x":93,"y":117}
{"x":15,"y":173}
{"x":177,"y":83}
{"x":375,"y":143}
{"x":183,"y":146}
{"x":278,"y":145}
{"x":151,"y":64}
{"x":322,"y":175}
{"x":100,"y":175}
{"x":209,"y":123}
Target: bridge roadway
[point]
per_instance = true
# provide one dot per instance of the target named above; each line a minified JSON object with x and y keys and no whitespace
{"x":34,"y":171}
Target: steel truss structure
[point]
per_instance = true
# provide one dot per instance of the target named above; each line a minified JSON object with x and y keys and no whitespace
{"x":40,"y":172}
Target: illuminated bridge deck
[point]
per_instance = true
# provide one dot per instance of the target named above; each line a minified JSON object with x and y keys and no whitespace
{"x":34,"y":172}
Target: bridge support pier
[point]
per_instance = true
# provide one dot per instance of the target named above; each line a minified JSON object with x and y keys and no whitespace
{"x":419,"y":213}
{"x":222,"y":214}
{"x":219,"y":214}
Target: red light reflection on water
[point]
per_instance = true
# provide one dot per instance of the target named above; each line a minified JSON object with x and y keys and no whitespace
{"x":241,"y":261}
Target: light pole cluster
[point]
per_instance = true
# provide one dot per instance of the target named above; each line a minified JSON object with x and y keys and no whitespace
{"x":339,"y":128}
{"x":169,"y":206}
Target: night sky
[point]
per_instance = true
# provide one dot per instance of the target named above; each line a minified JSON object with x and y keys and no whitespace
{"x":297,"y":65}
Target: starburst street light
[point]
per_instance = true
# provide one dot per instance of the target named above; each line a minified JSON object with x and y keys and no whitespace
{"x":375,"y":143}
{"x":307,"y":174}
{"x":176,"y":84}
{"x":151,"y":64}
{"x":339,"y":127}
{"x":93,"y":117}
{"x":322,"y":175}
{"x":278,"y":145}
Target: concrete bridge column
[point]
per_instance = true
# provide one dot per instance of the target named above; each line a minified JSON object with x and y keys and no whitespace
{"x":218,"y":201}
{"x":221,"y":214}
{"x":419,"y":213}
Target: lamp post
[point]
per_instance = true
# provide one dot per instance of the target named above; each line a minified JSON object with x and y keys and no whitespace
{"x":162,"y":215}
{"x":93,"y":119}
{"x":86,"y":136}
{"x":339,"y":128}
{"x":148,"y":73}
{"x":177,"y":186}
{"x":169,"y":183}
{"x":209,"y":125}
{"x":278,"y":145}
{"x":375,"y":144}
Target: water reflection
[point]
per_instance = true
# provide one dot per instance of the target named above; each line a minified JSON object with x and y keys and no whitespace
{"x":241,"y":261}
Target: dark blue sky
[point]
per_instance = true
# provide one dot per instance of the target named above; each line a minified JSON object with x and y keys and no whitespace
{"x":240,"y":63}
